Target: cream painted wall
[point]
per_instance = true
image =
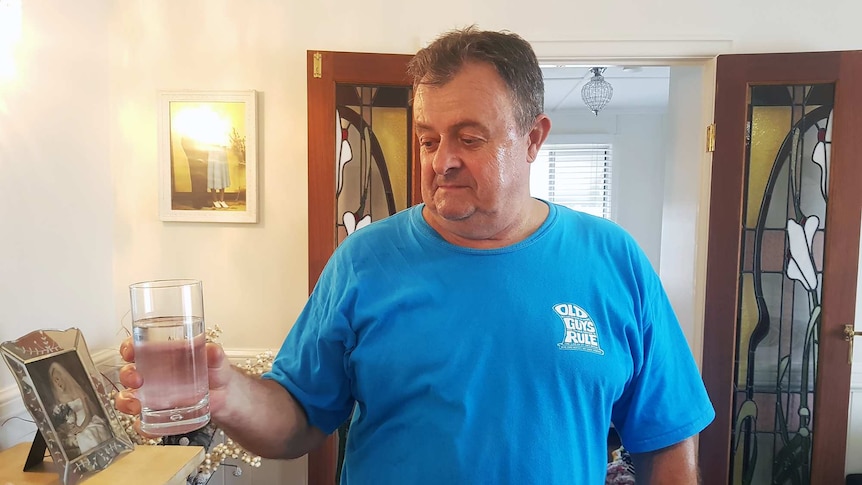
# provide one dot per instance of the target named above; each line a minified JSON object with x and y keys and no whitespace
{"x":78,"y":134}
{"x":56,"y":189}
{"x":639,"y":179}
{"x":853,"y":462}
{"x":686,"y":197}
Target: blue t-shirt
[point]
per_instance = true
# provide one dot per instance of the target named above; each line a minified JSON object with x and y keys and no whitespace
{"x":491,"y":366}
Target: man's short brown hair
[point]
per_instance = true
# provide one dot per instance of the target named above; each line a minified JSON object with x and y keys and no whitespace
{"x":511,"y":56}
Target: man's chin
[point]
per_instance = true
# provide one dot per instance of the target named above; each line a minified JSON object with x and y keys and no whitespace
{"x":452,"y":213}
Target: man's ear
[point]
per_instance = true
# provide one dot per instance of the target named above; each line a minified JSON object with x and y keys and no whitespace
{"x":538,"y":134}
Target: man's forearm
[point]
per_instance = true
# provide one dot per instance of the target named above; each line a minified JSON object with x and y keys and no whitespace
{"x":264,"y":418}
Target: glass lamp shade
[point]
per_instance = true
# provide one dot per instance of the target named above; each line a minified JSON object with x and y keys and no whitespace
{"x":597,"y":93}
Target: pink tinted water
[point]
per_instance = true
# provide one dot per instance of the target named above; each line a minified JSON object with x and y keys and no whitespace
{"x":170,"y":355}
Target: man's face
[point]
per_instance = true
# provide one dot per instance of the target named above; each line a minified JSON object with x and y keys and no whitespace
{"x":474,"y":158}
{"x":58,"y":380}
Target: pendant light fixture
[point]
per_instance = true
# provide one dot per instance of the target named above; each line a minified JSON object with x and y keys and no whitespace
{"x":597,"y":93}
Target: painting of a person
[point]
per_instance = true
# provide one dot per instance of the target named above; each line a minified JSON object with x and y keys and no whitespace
{"x":197,"y":156}
{"x":83,"y":424}
{"x":218,"y":175}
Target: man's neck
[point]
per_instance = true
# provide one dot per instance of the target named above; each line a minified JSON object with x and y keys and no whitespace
{"x":492,"y":234}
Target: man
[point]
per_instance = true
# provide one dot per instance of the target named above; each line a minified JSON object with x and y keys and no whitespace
{"x":483,"y":336}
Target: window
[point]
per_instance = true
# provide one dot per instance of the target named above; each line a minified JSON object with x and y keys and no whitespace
{"x":576,"y":175}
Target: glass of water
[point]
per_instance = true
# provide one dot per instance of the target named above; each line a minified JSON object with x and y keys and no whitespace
{"x":169,"y":337}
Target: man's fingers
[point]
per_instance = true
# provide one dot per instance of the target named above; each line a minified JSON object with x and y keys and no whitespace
{"x":127,"y":403}
{"x":215,"y":355}
{"x":219,"y":366}
{"x":127,"y":350}
{"x":129,"y":377}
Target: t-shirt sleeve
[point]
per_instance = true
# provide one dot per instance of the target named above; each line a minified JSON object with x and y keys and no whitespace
{"x":666,"y":401}
{"x":311,"y":362}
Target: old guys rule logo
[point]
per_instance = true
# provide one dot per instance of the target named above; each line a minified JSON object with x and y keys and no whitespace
{"x":580,"y":329}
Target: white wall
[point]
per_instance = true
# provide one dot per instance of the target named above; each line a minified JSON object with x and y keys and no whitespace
{"x":56,"y":189}
{"x":78,"y":134}
{"x":639,"y":172}
{"x":684,"y":211}
{"x":853,"y":463}
{"x":638,"y":166}
{"x":57,"y":203}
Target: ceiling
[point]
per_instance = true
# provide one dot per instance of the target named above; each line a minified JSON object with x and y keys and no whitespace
{"x":635,"y":88}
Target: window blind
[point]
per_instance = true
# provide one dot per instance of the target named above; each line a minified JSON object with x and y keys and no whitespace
{"x":579,"y":176}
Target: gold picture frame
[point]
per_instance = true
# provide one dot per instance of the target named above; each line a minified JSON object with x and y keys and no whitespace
{"x":208,"y":156}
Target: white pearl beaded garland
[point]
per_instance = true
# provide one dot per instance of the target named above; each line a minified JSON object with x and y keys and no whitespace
{"x":223,"y":451}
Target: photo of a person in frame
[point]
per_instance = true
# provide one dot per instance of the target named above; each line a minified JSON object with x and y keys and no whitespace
{"x":207,"y":155}
{"x":71,"y":403}
{"x":198,"y":166}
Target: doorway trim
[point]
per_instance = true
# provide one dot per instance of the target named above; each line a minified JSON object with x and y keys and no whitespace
{"x":643,"y":52}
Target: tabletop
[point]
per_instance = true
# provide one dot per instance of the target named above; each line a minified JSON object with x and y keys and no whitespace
{"x":146,"y":465}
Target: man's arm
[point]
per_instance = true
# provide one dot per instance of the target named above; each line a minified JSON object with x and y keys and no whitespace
{"x":259,"y":414}
{"x":673,"y":465}
{"x":264,"y":418}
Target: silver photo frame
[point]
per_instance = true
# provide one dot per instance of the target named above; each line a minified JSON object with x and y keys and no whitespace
{"x":68,"y":400}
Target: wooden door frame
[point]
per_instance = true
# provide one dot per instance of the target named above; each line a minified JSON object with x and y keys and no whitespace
{"x":734,"y":75}
{"x":336,"y":67}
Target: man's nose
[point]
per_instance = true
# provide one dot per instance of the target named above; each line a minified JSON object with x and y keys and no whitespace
{"x":446,"y":157}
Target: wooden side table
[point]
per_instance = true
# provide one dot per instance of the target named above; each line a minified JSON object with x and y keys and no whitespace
{"x":146,"y":465}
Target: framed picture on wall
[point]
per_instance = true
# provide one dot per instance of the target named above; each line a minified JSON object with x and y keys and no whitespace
{"x":208,"y":156}
{"x":69,"y":402}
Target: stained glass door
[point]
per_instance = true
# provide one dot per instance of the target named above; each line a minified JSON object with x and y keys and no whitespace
{"x":781,"y":272}
{"x":360,"y":168}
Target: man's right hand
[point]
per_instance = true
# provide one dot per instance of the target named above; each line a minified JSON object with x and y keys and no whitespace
{"x":219,"y":375}
{"x":259,"y":414}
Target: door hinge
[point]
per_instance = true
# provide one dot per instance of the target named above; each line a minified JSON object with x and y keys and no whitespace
{"x":318,"y":60}
{"x":710,"y":138}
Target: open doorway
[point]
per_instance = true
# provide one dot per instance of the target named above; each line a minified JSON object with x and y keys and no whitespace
{"x":654,"y":131}
{"x":656,"y":162}
{"x":610,"y":163}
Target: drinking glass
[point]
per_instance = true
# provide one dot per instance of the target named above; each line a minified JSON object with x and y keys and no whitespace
{"x":169,"y":338}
